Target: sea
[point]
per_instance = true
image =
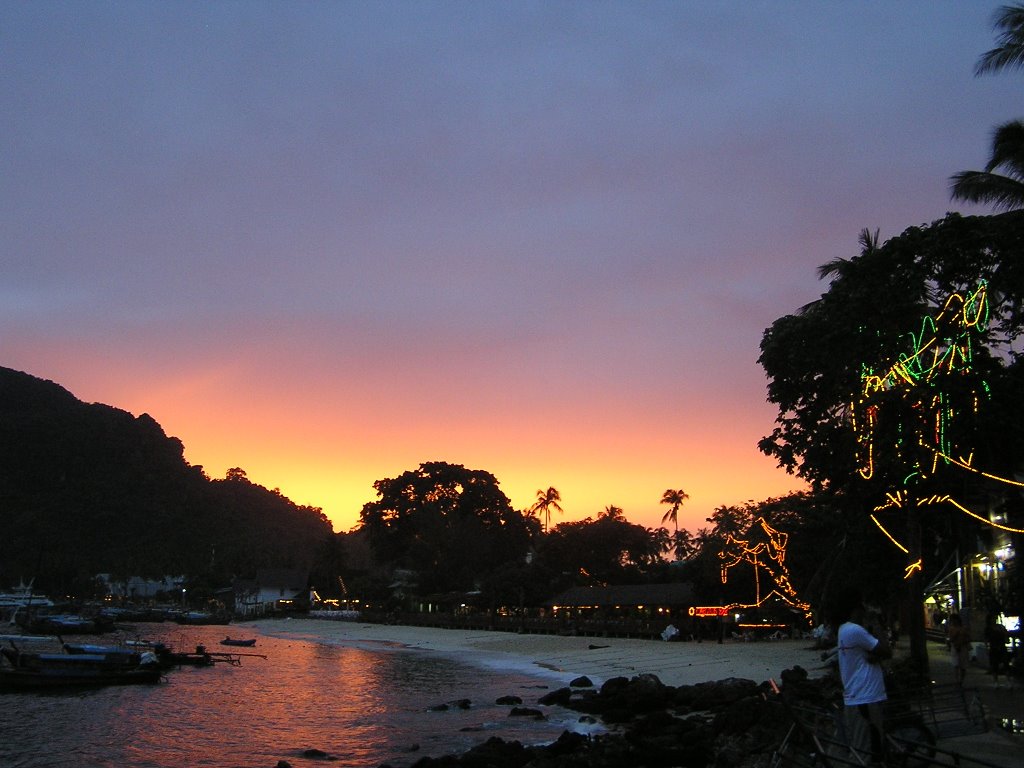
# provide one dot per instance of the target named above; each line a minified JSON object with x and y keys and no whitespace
{"x":364,"y":705}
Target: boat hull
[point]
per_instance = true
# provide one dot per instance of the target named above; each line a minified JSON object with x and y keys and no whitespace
{"x":22,"y":679}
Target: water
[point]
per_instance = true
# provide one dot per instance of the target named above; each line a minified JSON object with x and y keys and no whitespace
{"x":365,"y":705}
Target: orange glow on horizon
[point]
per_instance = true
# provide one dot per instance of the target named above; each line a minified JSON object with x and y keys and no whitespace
{"x":326,"y":446}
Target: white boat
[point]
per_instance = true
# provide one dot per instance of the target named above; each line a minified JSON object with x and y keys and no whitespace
{"x":18,"y":598}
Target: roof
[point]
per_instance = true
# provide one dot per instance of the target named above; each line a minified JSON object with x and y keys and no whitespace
{"x":626,"y":594}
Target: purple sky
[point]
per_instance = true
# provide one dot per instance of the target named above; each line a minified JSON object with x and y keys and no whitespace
{"x":328,"y":241}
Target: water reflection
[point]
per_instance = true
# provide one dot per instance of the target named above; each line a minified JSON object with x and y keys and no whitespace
{"x":362,"y":706}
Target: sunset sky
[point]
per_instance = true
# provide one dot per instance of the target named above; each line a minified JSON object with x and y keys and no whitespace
{"x":328,"y":241}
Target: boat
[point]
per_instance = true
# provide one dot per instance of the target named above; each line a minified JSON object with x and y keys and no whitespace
{"x":19,"y":599}
{"x":172,"y":658}
{"x":64,"y":624}
{"x":22,"y":669}
{"x":241,"y":643}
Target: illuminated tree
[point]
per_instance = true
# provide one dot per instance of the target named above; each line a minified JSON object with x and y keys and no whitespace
{"x":869,"y":322}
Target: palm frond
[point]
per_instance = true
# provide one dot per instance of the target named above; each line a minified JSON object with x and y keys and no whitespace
{"x":1008,"y":149}
{"x":1009,"y":50}
{"x":1001,"y":192}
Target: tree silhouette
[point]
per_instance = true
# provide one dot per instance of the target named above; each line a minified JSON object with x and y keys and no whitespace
{"x":675,"y":498}
{"x":612,"y":512}
{"x":546,"y":501}
{"x":1009,"y":54}
{"x":1005,"y":190}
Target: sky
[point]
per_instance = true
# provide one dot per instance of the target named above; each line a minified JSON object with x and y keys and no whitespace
{"x":327,"y":242}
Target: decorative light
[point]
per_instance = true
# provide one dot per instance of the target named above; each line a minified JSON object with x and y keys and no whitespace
{"x":768,"y":554}
{"x":942,"y":349}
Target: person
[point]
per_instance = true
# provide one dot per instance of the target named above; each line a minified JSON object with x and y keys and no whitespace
{"x":996,"y":636}
{"x":959,"y":646}
{"x":860,"y":655}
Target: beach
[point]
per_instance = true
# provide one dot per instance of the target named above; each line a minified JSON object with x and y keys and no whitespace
{"x":674,"y":663}
{"x":567,"y":657}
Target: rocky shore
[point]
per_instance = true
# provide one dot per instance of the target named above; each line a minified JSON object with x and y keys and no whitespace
{"x":732,"y":723}
{"x":728,"y":724}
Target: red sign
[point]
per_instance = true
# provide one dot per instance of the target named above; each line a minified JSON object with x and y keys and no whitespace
{"x":709,"y":610}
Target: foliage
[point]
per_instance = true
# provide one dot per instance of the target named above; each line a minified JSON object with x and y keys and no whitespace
{"x":876,"y":313}
{"x":813,"y":359}
{"x":608,"y":550}
{"x":675,"y":499}
{"x":1003,"y":191}
{"x":547,"y":500}
{"x":450,"y":525}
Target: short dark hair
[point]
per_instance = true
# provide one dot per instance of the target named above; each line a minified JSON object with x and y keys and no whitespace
{"x":844,"y":602}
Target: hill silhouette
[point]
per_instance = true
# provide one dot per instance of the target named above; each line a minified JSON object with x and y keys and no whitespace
{"x":90,"y":488}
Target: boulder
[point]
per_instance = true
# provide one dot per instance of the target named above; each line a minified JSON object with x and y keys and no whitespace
{"x":561,"y":697}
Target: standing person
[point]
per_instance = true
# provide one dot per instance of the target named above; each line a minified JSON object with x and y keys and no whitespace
{"x":959,"y":646}
{"x":996,"y":637}
{"x":860,"y":655}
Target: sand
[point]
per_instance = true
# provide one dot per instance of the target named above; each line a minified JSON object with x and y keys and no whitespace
{"x":675,"y":663}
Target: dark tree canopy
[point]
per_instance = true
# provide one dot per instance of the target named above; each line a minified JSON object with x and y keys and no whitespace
{"x":608,"y":550}
{"x":880,"y":306}
{"x":449,"y":525}
{"x":813,"y":359}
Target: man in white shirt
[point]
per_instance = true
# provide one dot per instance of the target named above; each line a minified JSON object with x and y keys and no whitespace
{"x":860,"y":654}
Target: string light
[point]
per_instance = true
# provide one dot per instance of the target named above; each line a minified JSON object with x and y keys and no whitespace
{"x":768,"y":554}
{"x":944,"y":347}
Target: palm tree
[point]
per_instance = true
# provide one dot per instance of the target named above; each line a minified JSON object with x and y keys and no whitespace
{"x":1009,"y":54}
{"x":611,"y":511}
{"x":676,"y":499}
{"x":1004,"y":191}
{"x":546,"y":501}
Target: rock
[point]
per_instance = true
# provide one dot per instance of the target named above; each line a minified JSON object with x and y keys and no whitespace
{"x":316,"y":754}
{"x":560,"y":697}
{"x":645,"y":693}
{"x":614,"y":685}
{"x":503,"y":700}
{"x":536,"y":714}
{"x":712,"y":695}
{"x":497,"y":752}
{"x":567,"y":743}
{"x":283,"y":764}
{"x":582,"y":682}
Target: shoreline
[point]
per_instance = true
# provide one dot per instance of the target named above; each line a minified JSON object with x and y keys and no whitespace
{"x":567,"y":657}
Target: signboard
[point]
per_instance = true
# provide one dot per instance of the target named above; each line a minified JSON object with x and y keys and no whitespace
{"x":709,"y":610}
